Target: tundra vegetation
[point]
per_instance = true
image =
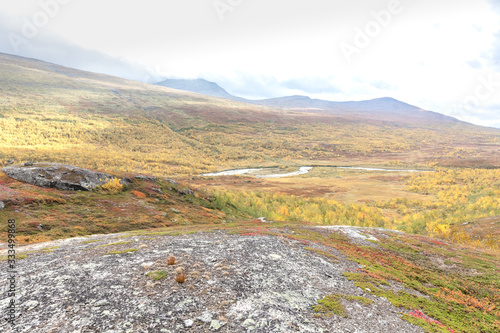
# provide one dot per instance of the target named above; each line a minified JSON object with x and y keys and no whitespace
{"x":448,"y":257}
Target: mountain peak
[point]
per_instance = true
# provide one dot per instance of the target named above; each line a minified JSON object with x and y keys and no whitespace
{"x":300,"y":97}
{"x":200,"y":86}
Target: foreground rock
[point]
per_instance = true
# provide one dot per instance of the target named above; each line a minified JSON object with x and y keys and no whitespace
{"x":233,"y":284}
{"x":61,"y":176}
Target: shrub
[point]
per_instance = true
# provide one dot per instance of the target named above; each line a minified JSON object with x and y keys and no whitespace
{"x":139,"y":194}
{"x":113,"y":186}
{"x":171,"y":260}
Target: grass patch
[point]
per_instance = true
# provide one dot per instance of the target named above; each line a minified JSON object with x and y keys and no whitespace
{"x":123,"y":251}
{"x":49,"y":249}
{"x":323,"y":253}
{"x":92,"y":241}
{"x":113,"y":244}
{"x":157,"y":275}
{"x":18,"y":256}
{"x":331,"y":304}
{"x":163,"y":233}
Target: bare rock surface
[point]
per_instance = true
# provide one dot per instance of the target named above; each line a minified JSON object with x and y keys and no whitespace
{"x":61,"y":176}
{"x":234,"y":283}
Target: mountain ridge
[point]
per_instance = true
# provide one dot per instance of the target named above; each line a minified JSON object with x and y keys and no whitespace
{"x":105,"y":122}
{"x":382,"y":105}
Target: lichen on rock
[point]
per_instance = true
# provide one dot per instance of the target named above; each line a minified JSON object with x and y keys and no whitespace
{"x":61,"y":176}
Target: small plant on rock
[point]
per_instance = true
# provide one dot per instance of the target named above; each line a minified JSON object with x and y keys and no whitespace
{"x":157,"y":275}
{"x":112,"y":187}
{"x":331,"y":304}
{"x":180,"y":278}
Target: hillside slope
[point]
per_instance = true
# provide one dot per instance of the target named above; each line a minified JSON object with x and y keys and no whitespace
{"x":58,"y":114}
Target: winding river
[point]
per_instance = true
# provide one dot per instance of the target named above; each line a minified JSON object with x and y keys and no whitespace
{"x":301,"y":171}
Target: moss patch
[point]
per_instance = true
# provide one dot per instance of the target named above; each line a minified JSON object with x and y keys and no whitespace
{"x":92,"y":241}
{"x":113,"y":244}
{"x":331,"y":304}
{"x":18,"y":256}
{"x":157,"y":275}
{"x":123,"y":251}
{"x":323,"y":253}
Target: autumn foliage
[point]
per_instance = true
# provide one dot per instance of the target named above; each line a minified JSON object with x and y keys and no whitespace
{"x":454,"y":197}
{"x":113,"y":186}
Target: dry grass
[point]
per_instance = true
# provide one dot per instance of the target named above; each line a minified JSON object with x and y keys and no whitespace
{"x":342,"y":186}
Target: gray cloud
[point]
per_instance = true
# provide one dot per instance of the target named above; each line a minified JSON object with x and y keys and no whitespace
{"x":259,"y":87}
{"x":264,"y":49}
{"x":487,"y":115}
{"x":46,"y":47}
{"x":250,"y":86}
{"x":312,"y":85}
{"x":495,"y":50}
{"x":382,"y":85}
{"x":476,"y":64}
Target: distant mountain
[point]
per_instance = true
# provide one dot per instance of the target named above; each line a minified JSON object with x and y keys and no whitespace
{"x":385,"y":108}
{"x":304,"y":102}
{"x":199,"y":86}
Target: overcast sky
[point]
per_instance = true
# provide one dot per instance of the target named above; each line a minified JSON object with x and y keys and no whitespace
{"x":439,"y":55}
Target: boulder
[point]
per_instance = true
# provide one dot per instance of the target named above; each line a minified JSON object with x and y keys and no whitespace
{"x":187,"y":191}
{"x":147,"y":178}
{"x":61,"y":176}
{"x":171,"y":181}
{"x":2,"y":205}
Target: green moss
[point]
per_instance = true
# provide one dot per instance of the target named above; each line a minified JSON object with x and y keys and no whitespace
{"x":123,"y":251}
{"x":93,"y":241}
{"x":452,"y":315}
{"x":162,"y":233}
{"x":331,"y":304}
{"x":363,"y":278}
{"x":113,"y":244}
{"x":157,"y":275}
{"x":49,"y":249}
{"x":323,"y":253}
{"x":18,"y":256}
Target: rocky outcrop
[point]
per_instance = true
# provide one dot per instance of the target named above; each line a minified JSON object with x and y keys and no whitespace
{"x":234,"y":284}
{"x":144,"y":177}
{"x":61,"y":176}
